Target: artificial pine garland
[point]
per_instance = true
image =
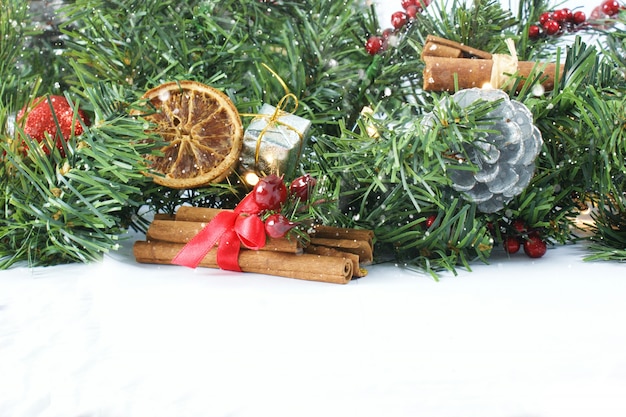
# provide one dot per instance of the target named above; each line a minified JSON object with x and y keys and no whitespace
{"x":57,"y":209}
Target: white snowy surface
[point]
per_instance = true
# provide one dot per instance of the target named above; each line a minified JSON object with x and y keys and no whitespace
{"x":517,"y":338}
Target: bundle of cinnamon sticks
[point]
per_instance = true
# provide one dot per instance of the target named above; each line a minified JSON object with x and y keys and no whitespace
{"x":331,"y":254}
{"x":448,"y":62}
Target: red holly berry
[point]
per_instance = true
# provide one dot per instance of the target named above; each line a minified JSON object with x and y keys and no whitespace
{"x":39,"y":120}
{"x":270,"y":192}
{"x":407,"y":3}
{"x":534,"y":246}
{"x":399,"y":19}
{"x":519,"y":226}
{"x":302,"y":186}
{"x":579,"y":17}
{"x":562,"y":15}
{"x":511,"y":245}
{"x":544,"y":17}
{"x":373,"y":45}
{"x":430,"y":220}
{"x":610,"y":7}
{"x":552,"y":27}
{"x":412,"y":11}
{"x":534,"y":31}
{"x":597,"y":13}
{"x":386,"y":34}
{"x":277,"y":225}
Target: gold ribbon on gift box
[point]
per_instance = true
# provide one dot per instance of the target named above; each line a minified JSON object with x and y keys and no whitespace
{"x":274,"y":118}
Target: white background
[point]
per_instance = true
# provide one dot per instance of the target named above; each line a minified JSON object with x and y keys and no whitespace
{"x":517,"y":338}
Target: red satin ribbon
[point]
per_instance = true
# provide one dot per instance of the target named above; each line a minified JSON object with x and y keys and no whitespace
{"x":231,"y":229}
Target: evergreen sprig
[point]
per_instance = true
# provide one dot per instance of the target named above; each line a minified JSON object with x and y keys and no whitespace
{"x":58,"y":209}
{"x":372,"y":173}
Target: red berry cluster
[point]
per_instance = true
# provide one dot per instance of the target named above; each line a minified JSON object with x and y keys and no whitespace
{"x":399,"y":19}
{"x":520,"y":236}
{"x":270,"y":194}
{"x":557,"y":22}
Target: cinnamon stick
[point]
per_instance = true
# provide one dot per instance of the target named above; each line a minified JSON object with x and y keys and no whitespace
{"x":196,"y":214}
{"x":306,"y":266}
{"x":332,"y":232}
{"x":179,"y":231}
{"x":357,"y":271}
{"x":359,"y":240}
{"x":445,"y":59}
{"x":358,"y":247}
{"x":442,"y":47}
{"x":439,"y":73}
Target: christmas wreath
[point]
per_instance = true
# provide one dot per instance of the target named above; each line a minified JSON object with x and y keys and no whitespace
{"x":442,"y":175}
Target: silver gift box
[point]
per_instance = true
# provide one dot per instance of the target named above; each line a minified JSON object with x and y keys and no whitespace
{"x":280,"y":140}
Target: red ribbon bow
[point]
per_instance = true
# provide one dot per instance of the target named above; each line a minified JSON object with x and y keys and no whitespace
{"x":231,"y":229}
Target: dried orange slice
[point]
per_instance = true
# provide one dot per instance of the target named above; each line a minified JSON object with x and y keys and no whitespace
{"x":202,"y":133}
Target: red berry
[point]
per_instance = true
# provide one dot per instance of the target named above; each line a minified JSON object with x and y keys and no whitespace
{"x":302,"y":186}
{"x":413,"y":11}
{"x":610,"y":7}
{"x":387,"y":33}
{"x":270,"y":192}
{"x":511,"y":245}
{"x":534,"y":246}
{"x":399,"y":19}
{"x":545,"y":17}
{"x":534,"y":31}
{"x":597,"y":13}
{"x":430,"y":220}
{"x":373,"y":45}
{"x":407,"y":3}
{"x":579,"y":17}
{"x":552,"y":27}
{"x":519,"y":226}
{"x":277,"y":225}
{"x":39,"y":120}
{"x":562,"y":15}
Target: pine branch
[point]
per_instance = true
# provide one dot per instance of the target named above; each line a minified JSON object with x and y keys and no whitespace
{"x":58,"y":209}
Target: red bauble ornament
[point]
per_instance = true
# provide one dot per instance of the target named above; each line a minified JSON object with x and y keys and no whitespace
{"x":534,"y":246}
{"x":373,"y":45}
{"x":39,"y":120}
